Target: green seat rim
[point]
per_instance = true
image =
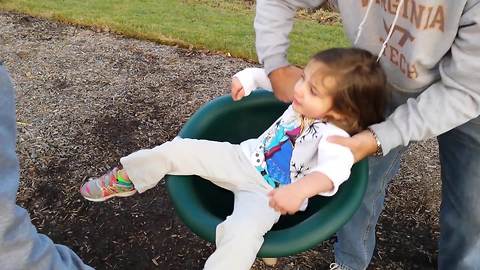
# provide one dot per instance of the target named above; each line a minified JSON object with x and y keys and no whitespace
{"x":284,"y":242}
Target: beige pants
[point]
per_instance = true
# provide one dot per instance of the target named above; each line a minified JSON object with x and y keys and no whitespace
{"x":240,"y":236}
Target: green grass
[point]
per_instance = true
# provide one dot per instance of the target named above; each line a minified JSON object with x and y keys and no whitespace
{"x":224,"y":26}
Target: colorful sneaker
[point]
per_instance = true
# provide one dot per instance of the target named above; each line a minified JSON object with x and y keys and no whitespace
{"x":107,"y":186}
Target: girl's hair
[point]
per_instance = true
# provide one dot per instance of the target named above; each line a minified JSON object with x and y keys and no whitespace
{"x":359,"y":92}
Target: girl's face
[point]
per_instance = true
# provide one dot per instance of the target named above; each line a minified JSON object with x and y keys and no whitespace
{"x":310,"y":97}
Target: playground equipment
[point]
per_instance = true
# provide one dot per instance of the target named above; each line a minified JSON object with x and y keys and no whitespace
{"x":202,"y":206}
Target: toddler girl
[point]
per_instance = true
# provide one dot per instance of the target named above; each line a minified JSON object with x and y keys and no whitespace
{"x":341,"y":92}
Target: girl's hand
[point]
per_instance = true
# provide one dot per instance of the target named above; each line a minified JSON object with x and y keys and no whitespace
{"x":236,"y":89}
{"x":286,"y":199}
{"x":362,"y":144}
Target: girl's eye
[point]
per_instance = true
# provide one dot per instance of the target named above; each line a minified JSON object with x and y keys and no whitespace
{"x":312,"y":92}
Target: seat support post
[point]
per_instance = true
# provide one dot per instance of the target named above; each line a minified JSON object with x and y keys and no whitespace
{"x":270,"y":261}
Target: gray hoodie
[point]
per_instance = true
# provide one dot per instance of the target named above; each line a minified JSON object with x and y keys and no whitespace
{"x":431,"y":52}
{"x":21,"y":246}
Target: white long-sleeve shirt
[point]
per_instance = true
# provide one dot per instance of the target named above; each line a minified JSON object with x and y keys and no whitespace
{"x":312,"y":152}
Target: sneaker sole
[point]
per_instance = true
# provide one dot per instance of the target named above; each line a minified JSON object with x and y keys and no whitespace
{"x":123,"y":194}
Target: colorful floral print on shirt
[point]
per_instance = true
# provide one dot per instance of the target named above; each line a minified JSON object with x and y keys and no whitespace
{"x":272,"y":160}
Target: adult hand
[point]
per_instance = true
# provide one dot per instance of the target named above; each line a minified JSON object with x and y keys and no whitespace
{"x":236,"y":89}
{"x":285,"y":199}
{"x":283,"y":82}
{"x":361,"y":144}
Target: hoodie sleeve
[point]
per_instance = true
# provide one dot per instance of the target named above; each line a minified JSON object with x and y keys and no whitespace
{"x":253,"y":78}
{"x":448,"y":103}
{"x":21,"y":246}
{"x":273,"y":23}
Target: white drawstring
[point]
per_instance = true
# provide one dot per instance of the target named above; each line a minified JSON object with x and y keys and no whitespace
{"x":390,"y":32}
{"x":364,"y":19}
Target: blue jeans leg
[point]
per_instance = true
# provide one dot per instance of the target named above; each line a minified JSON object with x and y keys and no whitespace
{"x":356,"y":239}
{"x":21,"y":247}
{"x":459,"y":246}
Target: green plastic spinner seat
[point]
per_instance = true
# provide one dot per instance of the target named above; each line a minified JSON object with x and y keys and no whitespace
{"x":202,"y":206}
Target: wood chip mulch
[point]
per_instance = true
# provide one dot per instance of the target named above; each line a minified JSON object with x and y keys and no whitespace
{"x":86,"y":98}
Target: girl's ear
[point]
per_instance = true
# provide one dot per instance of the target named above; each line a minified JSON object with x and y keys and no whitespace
{"x":334,"y":116}
{"x":341,"y":120}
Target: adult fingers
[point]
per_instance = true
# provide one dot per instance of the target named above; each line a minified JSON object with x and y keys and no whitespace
{"x":348,"y":142}
{"x":361,"y":144}
{"x":344,"y":141}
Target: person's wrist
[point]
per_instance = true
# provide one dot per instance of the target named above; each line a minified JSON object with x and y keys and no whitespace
{"x":378,"y":151}
{"x":278,"y":73}
{"x":275,"y":62}
{"x":299,"y":190}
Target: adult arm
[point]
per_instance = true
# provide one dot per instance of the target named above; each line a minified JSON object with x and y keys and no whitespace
{"x":446,"y":104}
{"x":273,"y":23}
{"x":21,"y":247}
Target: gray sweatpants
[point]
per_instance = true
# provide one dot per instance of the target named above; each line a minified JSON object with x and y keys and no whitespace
{"x":240,"y":236}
